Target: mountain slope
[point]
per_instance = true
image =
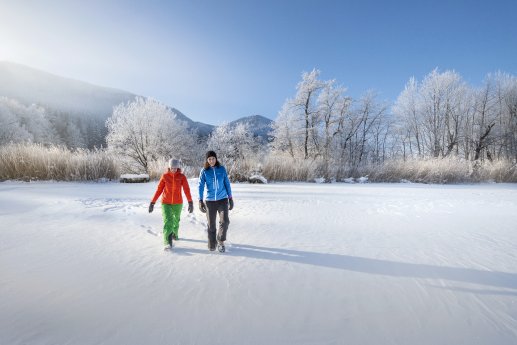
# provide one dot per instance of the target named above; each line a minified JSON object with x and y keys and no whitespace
{"x":203,"y":129}
{"x":29,"y":85}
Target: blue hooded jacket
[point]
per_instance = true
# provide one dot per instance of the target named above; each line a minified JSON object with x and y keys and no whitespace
{"x":217,"y":183}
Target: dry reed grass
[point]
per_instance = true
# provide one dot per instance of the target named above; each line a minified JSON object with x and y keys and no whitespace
{"x":38,"y":162}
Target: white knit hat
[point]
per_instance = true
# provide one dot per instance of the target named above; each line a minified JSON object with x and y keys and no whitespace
{"x":174,"y":163}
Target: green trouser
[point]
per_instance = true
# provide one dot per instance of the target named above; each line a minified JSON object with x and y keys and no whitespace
{"x":171,"y":220}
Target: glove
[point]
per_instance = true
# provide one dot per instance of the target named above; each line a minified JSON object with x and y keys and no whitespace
{"x":151,"y":207}
{"x":231,"y":203}
{"x":202,"y":206}
{"x":190,"y":207}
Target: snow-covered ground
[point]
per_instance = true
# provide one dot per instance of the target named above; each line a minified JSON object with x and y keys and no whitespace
{"x":82,"y":263}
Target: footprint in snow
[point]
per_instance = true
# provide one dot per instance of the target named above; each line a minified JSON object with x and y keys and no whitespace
{"x":113,"y":204}
{"x":149,"y":230}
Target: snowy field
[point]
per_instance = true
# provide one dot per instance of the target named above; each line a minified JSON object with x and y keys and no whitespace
{"x":82,"y":263}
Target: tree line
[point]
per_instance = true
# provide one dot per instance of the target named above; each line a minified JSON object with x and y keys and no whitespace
{"x":37,"y":123}
{"x":442,"y":116}
{"x":319,"y":132}
{"x":438,"y":117}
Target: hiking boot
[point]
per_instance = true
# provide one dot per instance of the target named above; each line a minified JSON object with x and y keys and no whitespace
{"x":221,"y":248}
{"x":211,"y":248}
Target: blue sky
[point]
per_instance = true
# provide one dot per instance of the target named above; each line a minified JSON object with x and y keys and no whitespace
{"x":221,"y":60}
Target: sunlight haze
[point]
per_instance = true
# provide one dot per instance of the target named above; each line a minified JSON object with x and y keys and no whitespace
{"x":219,"y":61}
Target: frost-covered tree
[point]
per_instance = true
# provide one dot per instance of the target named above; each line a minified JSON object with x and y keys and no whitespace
{"x":24,"y":123}
{"x":479,"y":125}
{"x":333,"y":110}
{"x":439,"y":117}
{"x":10,"y":129}
{"x":235,"y":146}
{"x":34,"y":118}
{"x":146,"y":130}
{"x":434,"y":113}
{"x":443,"y":116}
{"x":407,"y":111}
{"x":287,"y":132}
{"x":441,"y":97}
{"x":506,"y":124}
{"x":95,"y":131}
{"x":301,"y":115}
{"x":369,"y":116}
{"x":321,"y":125}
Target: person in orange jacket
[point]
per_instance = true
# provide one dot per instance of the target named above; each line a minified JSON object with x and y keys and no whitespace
{"x":169,"y":188}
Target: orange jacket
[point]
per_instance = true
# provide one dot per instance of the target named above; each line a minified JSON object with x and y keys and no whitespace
{"x":170,"y":187}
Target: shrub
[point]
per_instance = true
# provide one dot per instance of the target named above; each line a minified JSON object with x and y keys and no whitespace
{"x":25,"y":161}
{"x":447,"y":170}
{"x":285,"y":168}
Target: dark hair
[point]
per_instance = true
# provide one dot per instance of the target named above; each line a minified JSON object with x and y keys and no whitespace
{"x":211,"y":154}
{"x":208,"y":155}
{"x":207,"y":165}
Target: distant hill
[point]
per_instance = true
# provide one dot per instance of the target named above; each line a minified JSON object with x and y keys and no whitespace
{"x":260,"y":125}
{"x":203,"y":129}
{"x":84,"y":101}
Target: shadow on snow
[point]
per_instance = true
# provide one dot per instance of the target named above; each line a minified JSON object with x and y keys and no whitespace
{"x":378,"y":267}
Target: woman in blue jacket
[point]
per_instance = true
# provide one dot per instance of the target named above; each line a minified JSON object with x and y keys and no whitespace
{"x":218,"y":200}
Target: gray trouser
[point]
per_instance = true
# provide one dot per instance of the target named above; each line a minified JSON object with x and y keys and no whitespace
{"x":213,"y":208}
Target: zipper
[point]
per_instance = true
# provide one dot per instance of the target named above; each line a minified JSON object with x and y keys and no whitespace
{"x":215,"y":183}
{"x":173,"y":186}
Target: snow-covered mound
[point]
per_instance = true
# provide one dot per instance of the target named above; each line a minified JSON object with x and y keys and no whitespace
{"x":134,"y":178}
